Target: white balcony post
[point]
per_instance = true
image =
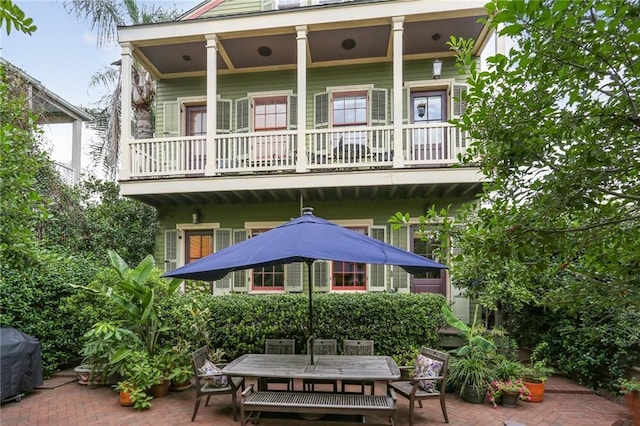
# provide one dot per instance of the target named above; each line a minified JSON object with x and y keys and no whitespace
{"x":76,"y":150}
{"x":301,"y":160}
{"x":398,"y":135}
{"x":126,"y":69}
{"x":212,"y":103}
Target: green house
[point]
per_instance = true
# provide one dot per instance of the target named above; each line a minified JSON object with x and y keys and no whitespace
{"x":264,"y":107}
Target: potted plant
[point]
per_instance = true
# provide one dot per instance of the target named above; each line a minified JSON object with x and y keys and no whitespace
{"x":179,"y":366}
{"x":507,"y":392}
{"x":470,"y":369}
{"x":631,"y":390}
{"x":534,"y":378}
{"x":100,"y":344}
{"x":139,"y":374}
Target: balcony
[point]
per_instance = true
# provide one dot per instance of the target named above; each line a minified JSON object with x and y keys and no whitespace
{"x":335,"y":149}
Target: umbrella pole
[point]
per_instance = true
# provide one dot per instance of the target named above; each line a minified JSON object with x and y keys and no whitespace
{"x":311,"y":338}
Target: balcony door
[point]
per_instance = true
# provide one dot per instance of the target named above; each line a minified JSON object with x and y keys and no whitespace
{"x":270,"y":115}
{"x":428,"y":143}
{"x":195,"y":125}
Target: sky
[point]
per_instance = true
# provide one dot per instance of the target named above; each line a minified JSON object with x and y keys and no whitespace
{"x":63,"y":55}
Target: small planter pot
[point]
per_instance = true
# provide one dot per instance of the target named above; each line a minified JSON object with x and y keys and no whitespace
{"x":472,"y":395}
{"x":510,"y":400}
{"x":125,"y":399}
{"x":160,"y":390}
{"x":178,"y":387}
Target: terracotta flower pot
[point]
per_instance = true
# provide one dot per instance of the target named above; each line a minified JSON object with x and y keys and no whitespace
{"x":125,"y":399}
{"x":633,"y":405}
{"x":177,"y":387}
{"x":536,"y":391}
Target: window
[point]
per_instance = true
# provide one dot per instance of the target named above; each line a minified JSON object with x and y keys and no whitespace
{"x":269,"y":278}
{"x":350,"y":108}
{"x":426,"y":248}
{"x":270,"y":113}
{"x":350,"y":275}
{"x":287,"y":4}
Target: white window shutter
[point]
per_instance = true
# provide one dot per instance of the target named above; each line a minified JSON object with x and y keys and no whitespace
{"x":378,"y":273}
{"x":222,"y":240}
{"x":170,"y":250}
{"x":171,"y":119}
{"x":242,"y":115}
{"x":223,"y":119}
{"x":321,"y":110}
{"x":400,"y":277}
{"x":458,"y":100}
{"x":293,"y":277}
{"x":240,"y":278}
{"x":321,"y":275}
{"x":378,"y":107}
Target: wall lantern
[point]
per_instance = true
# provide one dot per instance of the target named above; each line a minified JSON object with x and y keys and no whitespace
{"x":437,"y":68}
{"x":195,"y":217}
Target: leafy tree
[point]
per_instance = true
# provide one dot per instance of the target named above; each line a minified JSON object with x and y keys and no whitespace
{"x":12,"y":15}
{"x":556,"y":125}
{"x":105,"y":16}
{"x":555,"y":129}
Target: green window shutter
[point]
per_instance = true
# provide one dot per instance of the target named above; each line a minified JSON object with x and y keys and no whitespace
{"x":378,"y":273}
{"x":406,"y":105}
{"x":242,"y":115}
{"x":170,"y":250}
{"x":400,"y":277}
{"x":171,"y":119}
{"x":293,"y":112}
{"x":458,"y":100}
{"x":223,"y":116}
{"x":240,"y":278}
{"x":222,"y":239}
{"x":293,"y":277}
{"x":321,"y":110}
{"x":378,"y":109}
{"x":321,"y":275}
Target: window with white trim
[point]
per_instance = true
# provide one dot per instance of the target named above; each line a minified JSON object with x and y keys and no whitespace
{"x":268,"y":278}
{"x":349,"y":275}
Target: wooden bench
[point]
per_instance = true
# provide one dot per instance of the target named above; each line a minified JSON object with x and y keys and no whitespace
{"x":369,"y":408}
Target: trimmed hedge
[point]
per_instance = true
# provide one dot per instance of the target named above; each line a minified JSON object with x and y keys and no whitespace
{"x":239,"y":324}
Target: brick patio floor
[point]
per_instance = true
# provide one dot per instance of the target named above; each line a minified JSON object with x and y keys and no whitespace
{"x":565,"y":403}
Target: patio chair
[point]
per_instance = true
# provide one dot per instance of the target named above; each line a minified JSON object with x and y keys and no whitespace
{"x":412,"y":390}
{"x":321,"y":347}
{"x":357,"y":347}
{"x":198,"y":358}
{"x":277,"y":347}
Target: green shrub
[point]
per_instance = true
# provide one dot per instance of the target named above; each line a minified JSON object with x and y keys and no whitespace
{"x":239,"y":324}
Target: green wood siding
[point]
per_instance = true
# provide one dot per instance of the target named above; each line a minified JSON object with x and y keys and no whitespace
{"x":232,"y":7}
{"x":236,"y":86}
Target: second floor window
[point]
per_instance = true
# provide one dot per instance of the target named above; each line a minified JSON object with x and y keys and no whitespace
{"x":270,"y":113}
{"x":350,"y":108}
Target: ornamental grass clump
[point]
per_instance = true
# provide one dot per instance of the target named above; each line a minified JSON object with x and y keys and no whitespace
{"x":498,"y":388}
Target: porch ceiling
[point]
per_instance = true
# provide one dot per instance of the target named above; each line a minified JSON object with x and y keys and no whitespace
{"x":424,"y":36}
{"x":270,"y":189}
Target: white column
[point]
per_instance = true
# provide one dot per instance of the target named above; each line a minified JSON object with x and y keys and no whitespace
{"x":398,"y":156}
{"x":212,"y":103}
{"x":301,"y":41}
{"x":126,"y":68}
{"x":76,"y":150}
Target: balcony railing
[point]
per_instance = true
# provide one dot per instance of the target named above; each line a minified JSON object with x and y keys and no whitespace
{"x":336,"y":149}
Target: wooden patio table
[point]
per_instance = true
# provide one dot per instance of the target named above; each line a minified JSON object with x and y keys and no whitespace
{"x":333,"y":367}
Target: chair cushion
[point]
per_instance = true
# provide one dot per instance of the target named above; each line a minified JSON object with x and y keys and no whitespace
{"x":425,"y":368}
{"x":209,"y":373}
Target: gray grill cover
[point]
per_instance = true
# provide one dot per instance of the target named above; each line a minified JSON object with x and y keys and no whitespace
{"x":21,"y":363}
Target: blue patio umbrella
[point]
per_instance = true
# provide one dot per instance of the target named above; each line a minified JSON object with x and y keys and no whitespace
{"x":305,"y":239}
